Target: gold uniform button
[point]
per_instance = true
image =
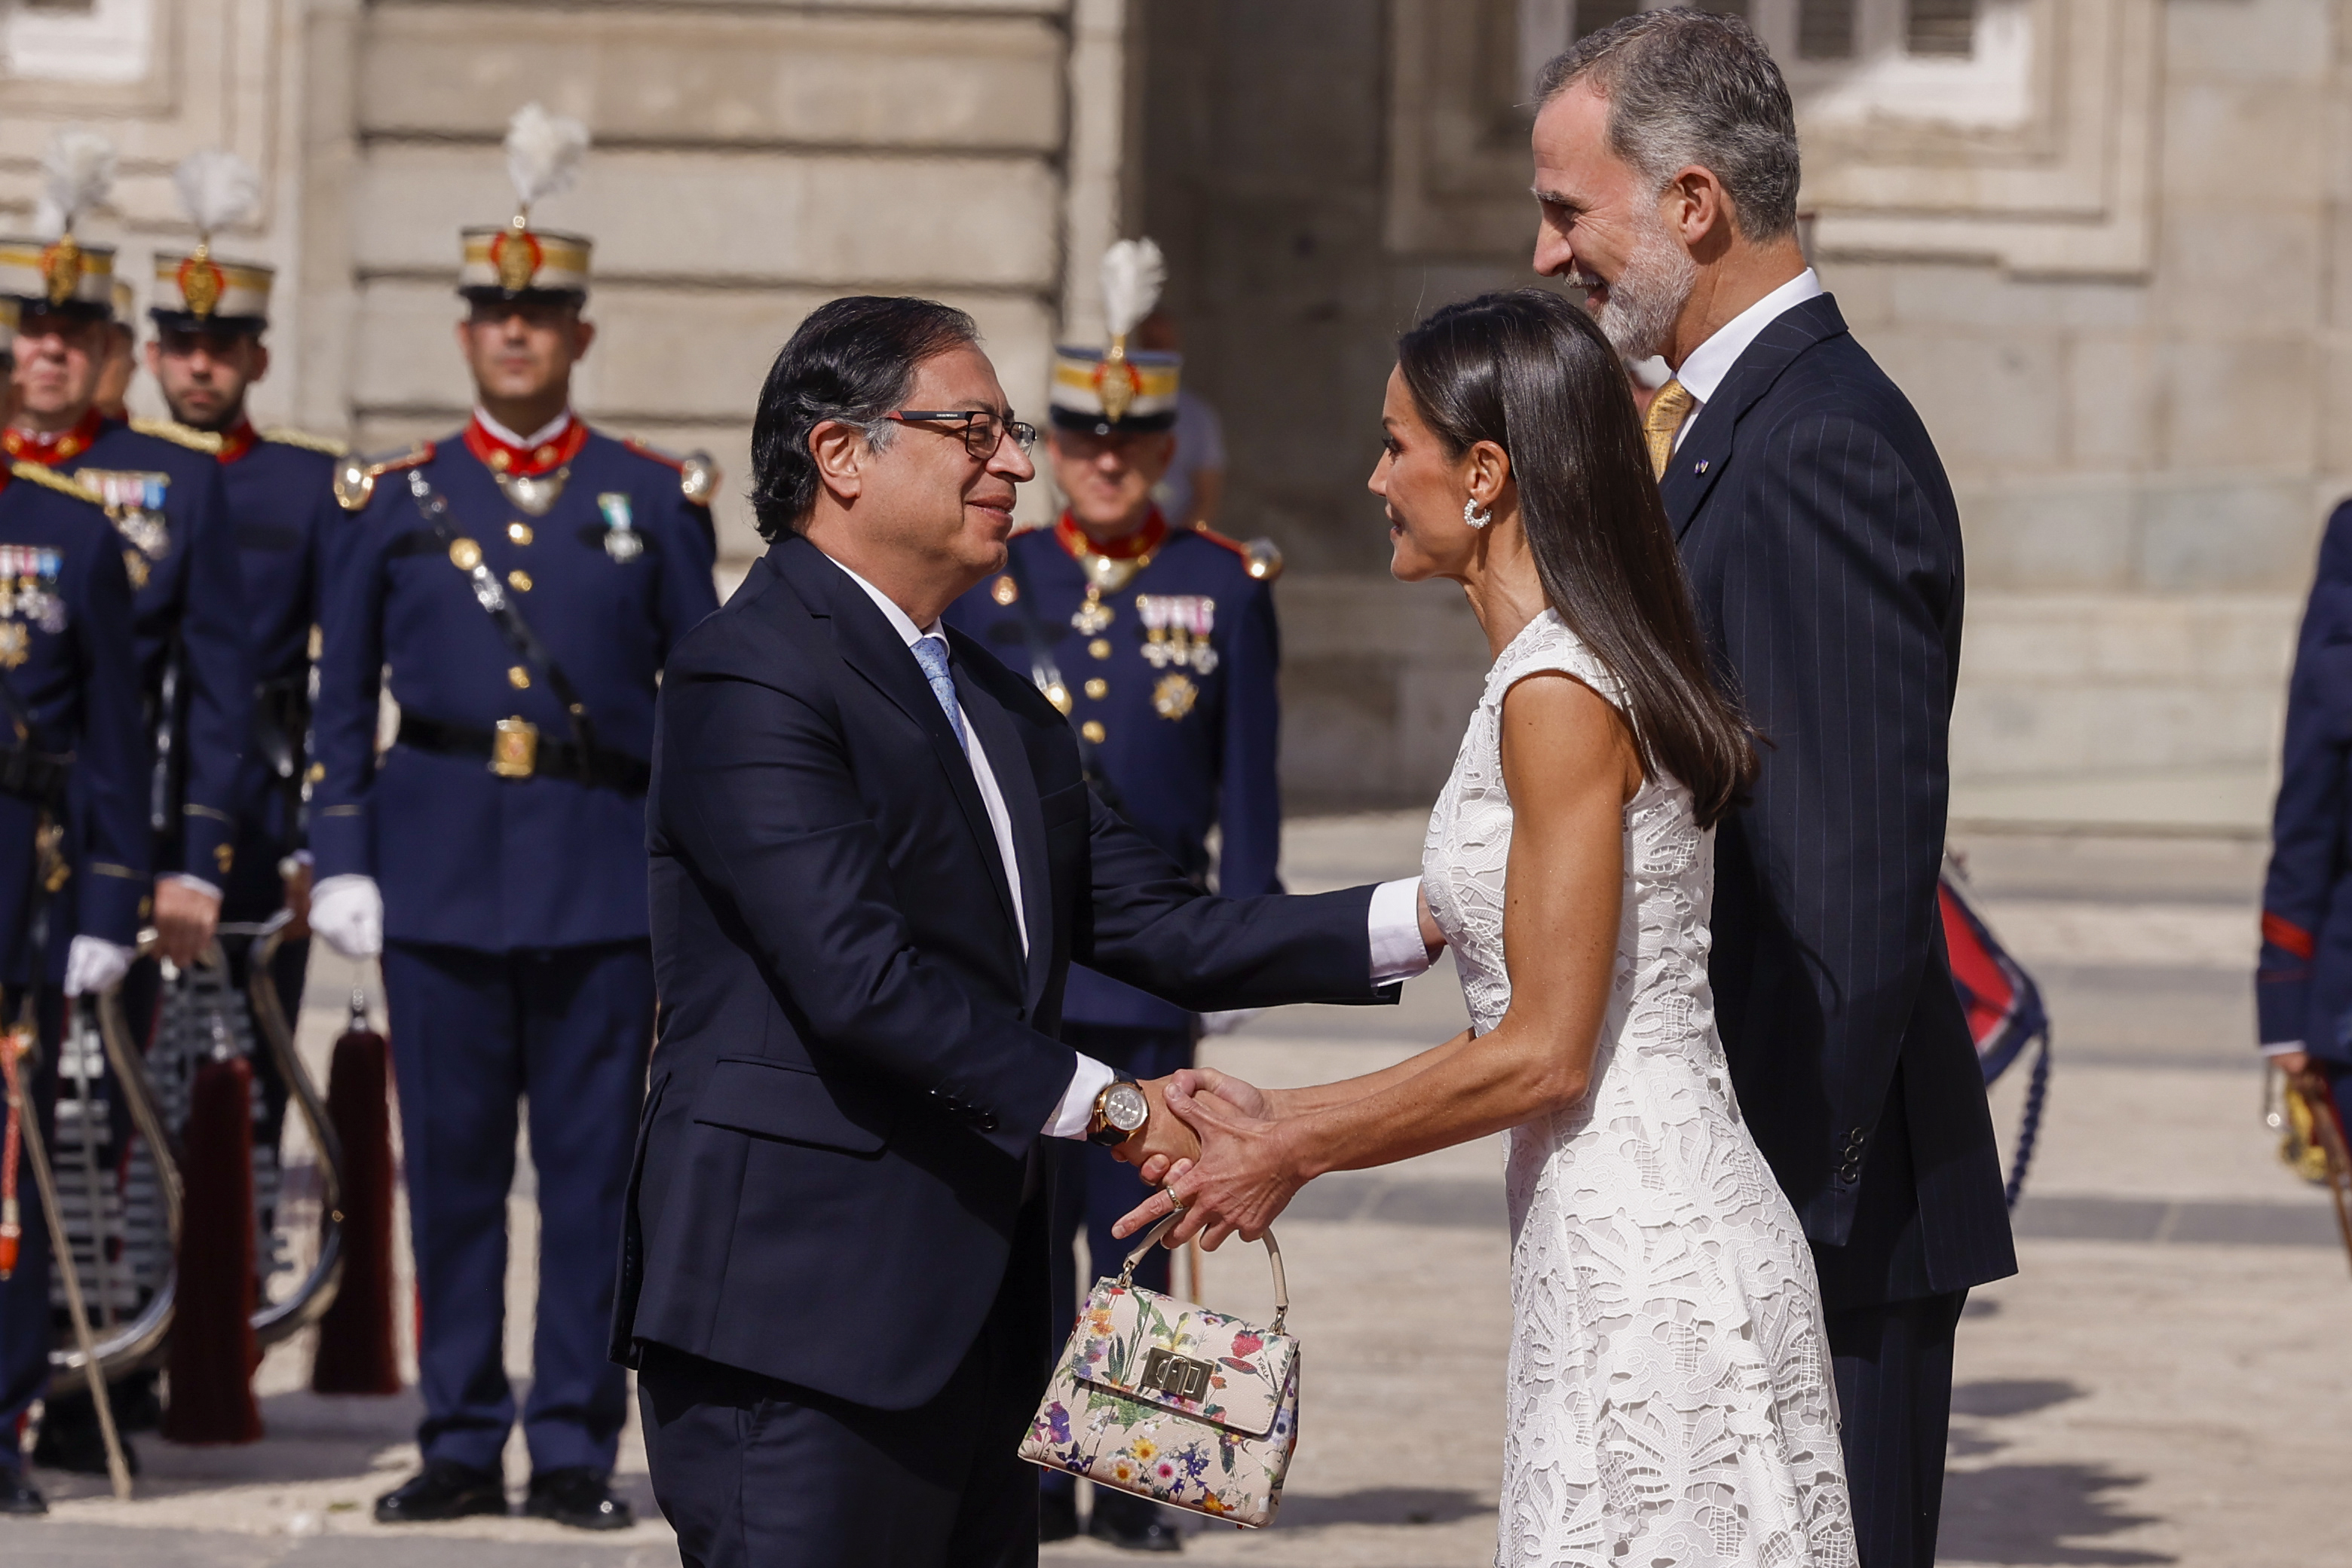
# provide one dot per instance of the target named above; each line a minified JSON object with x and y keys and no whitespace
{"x":1099,"y":647}
{"x":1097,"y":689}
{"x":1005,"y":590}
{"x":519,"y":532}
{"x":1093,"y":731}
{"x":465,"y":554}
{"x":317,"y":773}
{"x":519,"y":678}
{"x":519,"y":580}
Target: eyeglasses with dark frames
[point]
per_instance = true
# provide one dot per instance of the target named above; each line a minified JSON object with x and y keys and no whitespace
{"x":981,"y":429}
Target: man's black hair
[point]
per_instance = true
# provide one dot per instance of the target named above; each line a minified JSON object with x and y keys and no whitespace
{"x":852,"y":361}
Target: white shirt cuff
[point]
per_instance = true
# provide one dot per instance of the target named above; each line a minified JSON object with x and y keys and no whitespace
{"x":1078,"y":1108}
{"x":1398,"y":952}
{"x":2284,"y":1047}
{"x":186,"y":880}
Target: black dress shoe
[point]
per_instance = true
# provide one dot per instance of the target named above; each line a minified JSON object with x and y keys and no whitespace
{"x":1132,"y":1524}
{"x":443,"y":1489}
{"x":70,"y":1439}
{"x":1057,"y":1515}
{"x":579,"y":1497}
{"x":20,"y":1496}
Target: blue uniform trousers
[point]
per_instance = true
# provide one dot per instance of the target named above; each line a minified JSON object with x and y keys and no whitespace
{"x":24,"y":1319}
{"x":568,"y":1030}
{"x":1092,"y":1189}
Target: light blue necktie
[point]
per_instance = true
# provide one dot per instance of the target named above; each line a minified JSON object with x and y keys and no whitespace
{"x":931,"y":653}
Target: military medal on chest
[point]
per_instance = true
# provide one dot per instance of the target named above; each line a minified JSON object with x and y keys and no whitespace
{"x":1176,"y":629}
{"x":28,"y":598}
{"x":135,"y":503}
{"x":622,"y":542}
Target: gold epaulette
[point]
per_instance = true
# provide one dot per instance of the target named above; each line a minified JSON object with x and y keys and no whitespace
{"x":308,"y":442}
{"x":63,"y":484}
{"x":356,"y":477}
{"x":195,"y":440}
{"x":697,"y":472}
{"x":1261,"y":558}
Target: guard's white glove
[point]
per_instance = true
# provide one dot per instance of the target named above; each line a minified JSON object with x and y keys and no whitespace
{"x":348,"y":911}
{"x":94,"y":964}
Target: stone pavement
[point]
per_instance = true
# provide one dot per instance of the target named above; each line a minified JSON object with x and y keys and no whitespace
{"x":2166,"y":1382}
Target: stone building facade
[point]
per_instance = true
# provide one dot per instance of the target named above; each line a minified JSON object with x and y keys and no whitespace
{"x":2100,"y":242}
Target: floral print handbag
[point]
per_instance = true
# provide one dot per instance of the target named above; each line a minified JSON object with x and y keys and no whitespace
{"x":1173,"y":1402}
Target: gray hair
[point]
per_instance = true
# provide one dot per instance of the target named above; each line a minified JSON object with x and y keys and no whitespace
{"x":1690,"y":88}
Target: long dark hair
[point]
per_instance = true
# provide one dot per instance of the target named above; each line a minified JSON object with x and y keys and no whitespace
{"x":1530,"y":372}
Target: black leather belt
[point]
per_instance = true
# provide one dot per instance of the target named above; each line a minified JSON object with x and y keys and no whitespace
{"x":36,"y":776}
{"x":516,"y":750}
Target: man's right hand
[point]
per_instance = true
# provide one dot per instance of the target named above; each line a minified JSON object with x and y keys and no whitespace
{"x":347,"y":911}
{"x":1164,"y":1138}
{"x":1259,"y":1104}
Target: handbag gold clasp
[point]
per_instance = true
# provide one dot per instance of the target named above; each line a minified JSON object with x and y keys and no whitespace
{"x":514,"y":750}
{"x":1182,"y":1377}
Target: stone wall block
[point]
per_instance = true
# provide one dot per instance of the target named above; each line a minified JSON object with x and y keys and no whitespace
{"x":688,"y":76}
{"x":2240,"y":269}
{"x":2269,"y":43}
{"x":2249,"y":143}
{"x":1976,"y":297}
{"x":2239,"y":402}
{"x":1995,"y":406}
{"x":823,"y":219}
{"x":2111,"y":406}
{"x":2246,"y":535}
{"x":2047,"y":539}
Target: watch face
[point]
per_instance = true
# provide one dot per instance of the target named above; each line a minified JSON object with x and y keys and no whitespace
{"x":1125,"y":1108}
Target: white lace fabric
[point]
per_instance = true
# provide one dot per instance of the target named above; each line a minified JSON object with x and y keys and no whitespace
{"x":1670,"y":1395}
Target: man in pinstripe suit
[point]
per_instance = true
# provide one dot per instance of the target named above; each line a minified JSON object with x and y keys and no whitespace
{"x":1824,"y":547}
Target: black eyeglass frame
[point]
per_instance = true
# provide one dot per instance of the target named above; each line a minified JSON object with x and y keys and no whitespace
{"x":1024,"y":435}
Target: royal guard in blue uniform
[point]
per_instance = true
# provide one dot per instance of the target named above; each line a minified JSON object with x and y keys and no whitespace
{"x":162,"y":488}
{"x":74,"y":847}
{"x":1158,"y":642}
{"x":522,"y":581}
{"x":210,"y":314}
{"x":2303,"y":989}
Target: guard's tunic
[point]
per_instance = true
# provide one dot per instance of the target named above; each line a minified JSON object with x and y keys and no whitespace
{"x":65,"y":653}
{"x":167,"y":503}
{"x":517,"y":960}
{"x":1165,"y":644}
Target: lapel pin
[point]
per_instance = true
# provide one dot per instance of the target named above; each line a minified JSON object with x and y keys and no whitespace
{"x":1702,"y":467}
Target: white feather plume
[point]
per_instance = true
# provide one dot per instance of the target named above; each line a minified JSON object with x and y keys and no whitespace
{"x":1133,"y":272}
{"x":77,"y":173}
{"x":544,"y":152}
{"x":216,"y":188}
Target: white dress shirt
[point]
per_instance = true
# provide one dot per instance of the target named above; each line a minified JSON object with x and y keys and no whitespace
{"x":547,"y":432}
{"x":1393,"y":922}
{"x":1702,"y":374}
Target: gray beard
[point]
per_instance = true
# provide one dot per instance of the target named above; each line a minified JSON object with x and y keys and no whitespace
{"x":1648,"y":296}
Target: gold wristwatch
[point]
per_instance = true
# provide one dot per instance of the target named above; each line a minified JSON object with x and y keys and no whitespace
{"x":1120,"y":1111}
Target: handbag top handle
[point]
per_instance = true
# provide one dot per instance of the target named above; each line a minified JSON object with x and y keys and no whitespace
{"x":1273,"y":1255}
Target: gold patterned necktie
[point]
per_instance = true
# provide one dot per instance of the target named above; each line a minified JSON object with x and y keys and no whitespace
{"x":1668,"y":408}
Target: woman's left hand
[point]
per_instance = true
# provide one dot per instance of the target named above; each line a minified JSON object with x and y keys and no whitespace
{"x":1245,"y":1177}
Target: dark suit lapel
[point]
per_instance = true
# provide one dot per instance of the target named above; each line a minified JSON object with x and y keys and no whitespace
{"x":1699,"y":461}
{"x":870,"y":644}
{"x":993,"y":729}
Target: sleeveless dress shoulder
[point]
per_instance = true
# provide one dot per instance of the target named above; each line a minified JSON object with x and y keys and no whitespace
{"x":1670,"y":1397}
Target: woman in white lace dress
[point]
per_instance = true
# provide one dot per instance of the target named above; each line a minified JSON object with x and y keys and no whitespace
{"x":1670,"y":1397}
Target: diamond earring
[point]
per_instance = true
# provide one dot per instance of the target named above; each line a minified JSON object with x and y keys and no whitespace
{"x":1475,"y":516}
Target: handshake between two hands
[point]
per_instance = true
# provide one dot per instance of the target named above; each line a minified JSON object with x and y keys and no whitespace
{"x":1217,"y":1148}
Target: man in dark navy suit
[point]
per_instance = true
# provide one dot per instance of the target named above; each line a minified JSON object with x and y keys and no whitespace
{"x":1824,"y":554}
{"x":210,"y":314}
{"x":523,"y":582}
{"x":875,"y":857}
{"x":1158,"y":642}
{"x":2303,"y":983}
{"x":73,"y":860}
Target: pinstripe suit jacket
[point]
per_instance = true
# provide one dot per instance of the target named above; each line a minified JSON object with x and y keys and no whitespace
{"x":1824,"y":548}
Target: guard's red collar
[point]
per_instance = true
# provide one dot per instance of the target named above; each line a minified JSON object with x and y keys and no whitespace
{"x":524,"y":462}
{"x":1141,"y":543}
{"x":32,"y":446}
{"x":238,"y":440}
